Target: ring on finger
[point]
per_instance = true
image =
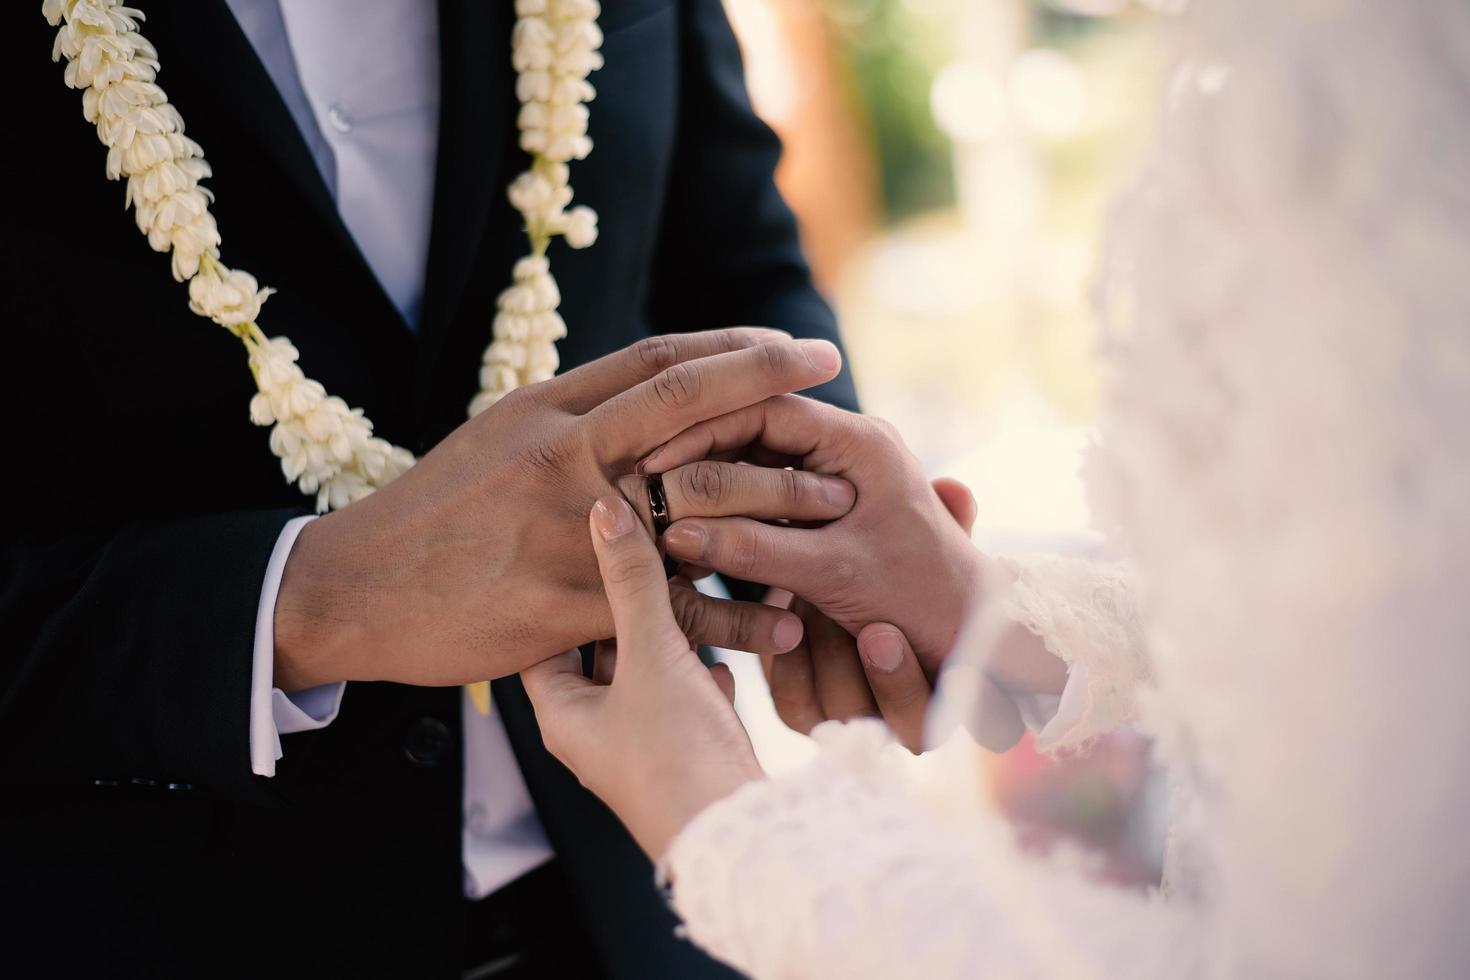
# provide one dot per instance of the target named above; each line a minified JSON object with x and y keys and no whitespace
{"x":658,"y":505}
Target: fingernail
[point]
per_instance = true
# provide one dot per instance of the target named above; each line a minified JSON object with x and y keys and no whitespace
{"x":821,"y":355}
{"x":685,"y":542}
{"x":884,"y":651}
{"x":787,"y":633}
{"x":647,"y":463}
{"x":839,"y":494}
{"x":612,"y":517}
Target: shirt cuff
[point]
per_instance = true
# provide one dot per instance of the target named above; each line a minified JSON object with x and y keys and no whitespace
{"x":274,"y":713}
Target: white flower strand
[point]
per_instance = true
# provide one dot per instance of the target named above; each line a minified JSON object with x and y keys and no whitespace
{"x":326,"y":448}
{"x":554,"y":47}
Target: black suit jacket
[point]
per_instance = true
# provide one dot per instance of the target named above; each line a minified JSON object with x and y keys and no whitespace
{"x":144,"y":504}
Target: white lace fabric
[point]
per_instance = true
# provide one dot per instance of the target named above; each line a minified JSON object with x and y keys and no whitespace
{"x":1085,"y":613}
{"x":837,"y":872}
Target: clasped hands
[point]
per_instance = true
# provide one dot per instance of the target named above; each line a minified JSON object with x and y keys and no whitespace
{"x":477,"y":564}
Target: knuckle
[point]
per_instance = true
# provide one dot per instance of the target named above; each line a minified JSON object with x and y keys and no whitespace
{"x":902,"y":702}
{"x":690,"y":613}
{"x":549,"y":456}
{"x":734,"y":339}
{"x":516,"y":399}
{"x":677,"y":387}
{"x":777,"y":359}
{"x":794,"y":710}
{"x":704,"y":482}
{"x":793,"y":485}
{"x":740,"y":628}
{"x":655,"y":354}
{"x":859,"y":430}
{"x":884,"y":428}
{"x":522,"y":404}
{"x":746,"y":551}
{"x":632,"y":574}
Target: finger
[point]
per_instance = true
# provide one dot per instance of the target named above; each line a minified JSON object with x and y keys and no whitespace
{"x":584,"y":388}
{"x":724,"y":680}
{"x":552,"y":682}
{"x":604,"y":661}
{"x":794,"y":691}
{"x":842,"y":686}
{"x":628,"y":425}
{"x":897,"y":681}
{"x":958,"y":500}
{"x":714,"y":489}
{"x":749,"y":626}
{"x":787,"y":426}
{"x":780,"y":598}
{"x":632,"y":577}
{"x":796,"y":559}
{"x":694,"y":573}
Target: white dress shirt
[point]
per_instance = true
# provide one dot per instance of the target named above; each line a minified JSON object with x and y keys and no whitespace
{"x":362,"y":82}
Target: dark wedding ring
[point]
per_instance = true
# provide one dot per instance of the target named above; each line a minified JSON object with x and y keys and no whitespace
{"x":658,"y":505}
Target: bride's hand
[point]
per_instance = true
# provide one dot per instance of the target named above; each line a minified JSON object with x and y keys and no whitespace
{"x":898,"y":556}
{"x":835,"y":676}
{"x":655,"y":734}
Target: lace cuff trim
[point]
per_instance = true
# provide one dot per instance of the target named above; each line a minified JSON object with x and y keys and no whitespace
{"x":1086,"y":615}
{"x":831,"y":841}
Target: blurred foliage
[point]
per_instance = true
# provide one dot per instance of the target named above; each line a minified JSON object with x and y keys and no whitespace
{"x":894,"y":55}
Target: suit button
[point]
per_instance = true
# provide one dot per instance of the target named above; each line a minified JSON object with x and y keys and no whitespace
{"x":427,"y":742}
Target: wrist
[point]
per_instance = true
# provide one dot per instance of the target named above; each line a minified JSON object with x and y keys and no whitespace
{"x":311,"y":632}
{"x":965,"y":585}
{"x":701,"y":793}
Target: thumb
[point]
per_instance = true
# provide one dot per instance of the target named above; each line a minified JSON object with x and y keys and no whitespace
{"x":634,"y":580}
{"x":958,"y":500}
{"x":897,"y":681}
{"x":557,"y":690}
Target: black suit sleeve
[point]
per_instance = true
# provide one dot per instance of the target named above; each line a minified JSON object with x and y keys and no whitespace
{"x":128,"y":653}
{"x":730,"y":253}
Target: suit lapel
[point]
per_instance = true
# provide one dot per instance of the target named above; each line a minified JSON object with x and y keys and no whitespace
{"x":209,"y":62}
{"x":476,"y":107}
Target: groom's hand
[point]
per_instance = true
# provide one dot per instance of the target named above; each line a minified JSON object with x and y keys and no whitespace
{"x":475,"y":564}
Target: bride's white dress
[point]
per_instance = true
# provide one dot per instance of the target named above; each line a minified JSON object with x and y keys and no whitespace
{"x":1285,"y":464}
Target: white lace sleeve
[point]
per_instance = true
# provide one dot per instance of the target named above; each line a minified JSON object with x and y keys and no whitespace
{"x":835,"y":872}
{"x":1085,"y":613}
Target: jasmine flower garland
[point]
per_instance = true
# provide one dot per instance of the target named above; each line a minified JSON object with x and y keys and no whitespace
{"x":325,"y":447}
{"x":554,"y":47}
